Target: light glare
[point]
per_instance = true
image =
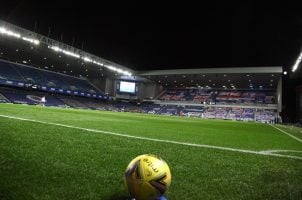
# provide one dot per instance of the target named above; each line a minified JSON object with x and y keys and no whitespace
{"x":295,"y":67}
{"x":34,"y":41}
{"x":9,"y":33}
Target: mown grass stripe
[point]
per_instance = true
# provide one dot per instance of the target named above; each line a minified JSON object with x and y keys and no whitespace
{"x":290,"y":135}
{"x":155,"y":140}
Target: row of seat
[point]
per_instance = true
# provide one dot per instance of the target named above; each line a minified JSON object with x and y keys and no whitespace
{"x":219,"y":96}
{"x":25,"y":75}
{"x":232,"y":113}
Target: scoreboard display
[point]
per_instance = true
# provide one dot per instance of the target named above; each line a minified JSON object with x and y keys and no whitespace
{"x":127,"y":87}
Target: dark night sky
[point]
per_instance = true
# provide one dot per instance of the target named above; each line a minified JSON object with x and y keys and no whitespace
{"x":164,"y":36}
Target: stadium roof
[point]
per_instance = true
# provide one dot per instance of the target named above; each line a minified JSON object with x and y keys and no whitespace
{"x":11,"y":34}
{"x":225,"y":78}
{"x":223,"y":81}
{"x":232,"y":70}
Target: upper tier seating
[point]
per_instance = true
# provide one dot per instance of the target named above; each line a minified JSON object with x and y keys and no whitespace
{"x":7,"y":72}
{"x":186,"y":95}
{"x":219,"y":96}
{"x":24,"y":75}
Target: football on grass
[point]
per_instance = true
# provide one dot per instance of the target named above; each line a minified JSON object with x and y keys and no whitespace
{"x":147,"y":177}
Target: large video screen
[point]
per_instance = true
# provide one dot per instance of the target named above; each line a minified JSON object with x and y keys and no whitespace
{"x":127,"y":87}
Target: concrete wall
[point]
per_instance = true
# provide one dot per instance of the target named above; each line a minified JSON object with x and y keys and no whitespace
{"x":99,"y":83}
{"x":146,"y":90}
{"x":149,"y":90}
{"x":106,"y":85}
{"x":279,"y":96}
{"x":299,"y":102}
{"x":126,"y":96}
{"x":110,"y":86}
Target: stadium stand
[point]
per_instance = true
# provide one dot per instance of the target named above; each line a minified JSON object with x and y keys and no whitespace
{"x":22,"y":96}
{"x":203,"y":96}
{"x":29,"y":75}
{"x":210,"y":113}
{"x":170,"y":110}
{"x":219,"y":96}
{"x":194,"y":111}
{"x":221,"y":113}
{"x":85,"y":103}
{"x":219,"y":104}
{"x":8,"y":73}
{"x":248,"y":114}
{"x":20,"y":75}
{"x":186,"y":95}
{"x":235,"y":113}
{"x":178,"y":92}
{"x":150,"y":108}
{"x":29,"y":97}
{"x":265,"y":115}
{"x":3,"y":99}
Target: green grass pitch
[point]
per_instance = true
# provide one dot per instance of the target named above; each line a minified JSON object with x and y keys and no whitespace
{"x":39,"y":160}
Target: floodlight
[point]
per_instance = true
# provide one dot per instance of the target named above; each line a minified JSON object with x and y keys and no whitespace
{"x":69,"y":53}
{"x":9,"y":33}
{"x":296,"y":65}
{"x":31,"y":40}
{"x":86,"y":59}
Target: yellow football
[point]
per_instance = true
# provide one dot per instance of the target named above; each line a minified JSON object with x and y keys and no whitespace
{"x":147,"y":177}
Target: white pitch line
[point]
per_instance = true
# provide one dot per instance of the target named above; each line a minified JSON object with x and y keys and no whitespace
{"x":152,"y":139}
{"x":290,"y":135}
{"x":281,"y":150}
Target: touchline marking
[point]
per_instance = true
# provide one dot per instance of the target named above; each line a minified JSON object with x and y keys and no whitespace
{"x":281,"y":150}
{"x":290,"y":135}
{"x":155,"y":140}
